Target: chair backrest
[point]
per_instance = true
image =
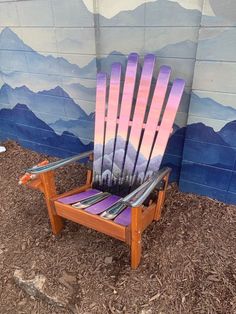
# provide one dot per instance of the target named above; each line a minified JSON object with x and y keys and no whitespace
{"x":130,"y":134}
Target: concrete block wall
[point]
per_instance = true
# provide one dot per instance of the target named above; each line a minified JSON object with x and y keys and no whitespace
{"x":208,"y":165}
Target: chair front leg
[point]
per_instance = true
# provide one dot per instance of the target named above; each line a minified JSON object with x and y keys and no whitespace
{"x":136,"y":234}
{"x":49,"y":190}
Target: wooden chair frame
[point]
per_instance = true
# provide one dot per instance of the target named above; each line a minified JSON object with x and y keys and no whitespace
{"x":141,"y":217}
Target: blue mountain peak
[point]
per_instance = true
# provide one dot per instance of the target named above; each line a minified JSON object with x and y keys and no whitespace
{"x":7,"y":90}
{"x":55,"y":91}
{"x":10,"y":41}
{"x":20,"y":106}
{"x":202,"y":133}
{"x":228,"y":133}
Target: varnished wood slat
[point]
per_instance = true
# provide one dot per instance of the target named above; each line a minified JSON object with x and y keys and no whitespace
{"x":92,"y":221}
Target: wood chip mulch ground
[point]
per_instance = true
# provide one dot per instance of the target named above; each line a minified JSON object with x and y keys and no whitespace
{"x":188,"y":265}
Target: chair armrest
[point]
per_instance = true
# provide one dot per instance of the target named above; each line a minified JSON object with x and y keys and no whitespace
{"x":57,"y":164}
{"x":139,"y":195}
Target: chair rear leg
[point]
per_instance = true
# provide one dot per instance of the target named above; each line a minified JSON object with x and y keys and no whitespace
{"x":49,"y":189}
{"x":161,"y":199}
{"x":136,"y":225}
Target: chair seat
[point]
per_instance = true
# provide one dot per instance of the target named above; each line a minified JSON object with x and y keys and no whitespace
{"x":124,"y":218}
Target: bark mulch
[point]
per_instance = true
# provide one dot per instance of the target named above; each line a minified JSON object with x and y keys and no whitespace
{"x":188,"y":265}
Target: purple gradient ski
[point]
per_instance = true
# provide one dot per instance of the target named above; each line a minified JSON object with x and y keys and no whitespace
{"x":126,"y":104}
{"x":78,"y":197}
{"x":100,"y":207}
{"x":120,"y":160}
{"x":139,"y":112}
{"x":152,"y":121}
{"x":165,"y":126}
{"x":99,"y":125}
{"x":109,"y":143}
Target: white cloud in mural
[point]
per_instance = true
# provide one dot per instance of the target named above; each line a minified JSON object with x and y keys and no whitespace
{"x":109,"y":8}
{"x":189,"y":4}
{"x":207,"y":10}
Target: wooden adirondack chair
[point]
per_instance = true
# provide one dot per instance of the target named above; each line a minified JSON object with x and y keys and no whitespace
{"x":129,"y":144}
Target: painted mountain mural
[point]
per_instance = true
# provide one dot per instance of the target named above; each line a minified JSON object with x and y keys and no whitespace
{"x":13,"y":49}
{"x":22,"y":125}
{"x":43,"y":102}
{"x":47,"y":98}
{"x":21,"y":65}
{"x":174,"y":15}
{"x":215,"y":12}
{"x":54,"y":106}
{"x":209,"y":108}
{"x":209,"y":155}
{"x":61,"y":113}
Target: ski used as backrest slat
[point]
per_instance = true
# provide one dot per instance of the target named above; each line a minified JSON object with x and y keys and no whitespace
{"x":125,"y":110}
{"x":165,"y":126}
{"x":112,"y":110}
{"x":99,"y":126}
{"x":138,"y":117}
{"x":130,"y":140}
{"x":152,"y":123}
